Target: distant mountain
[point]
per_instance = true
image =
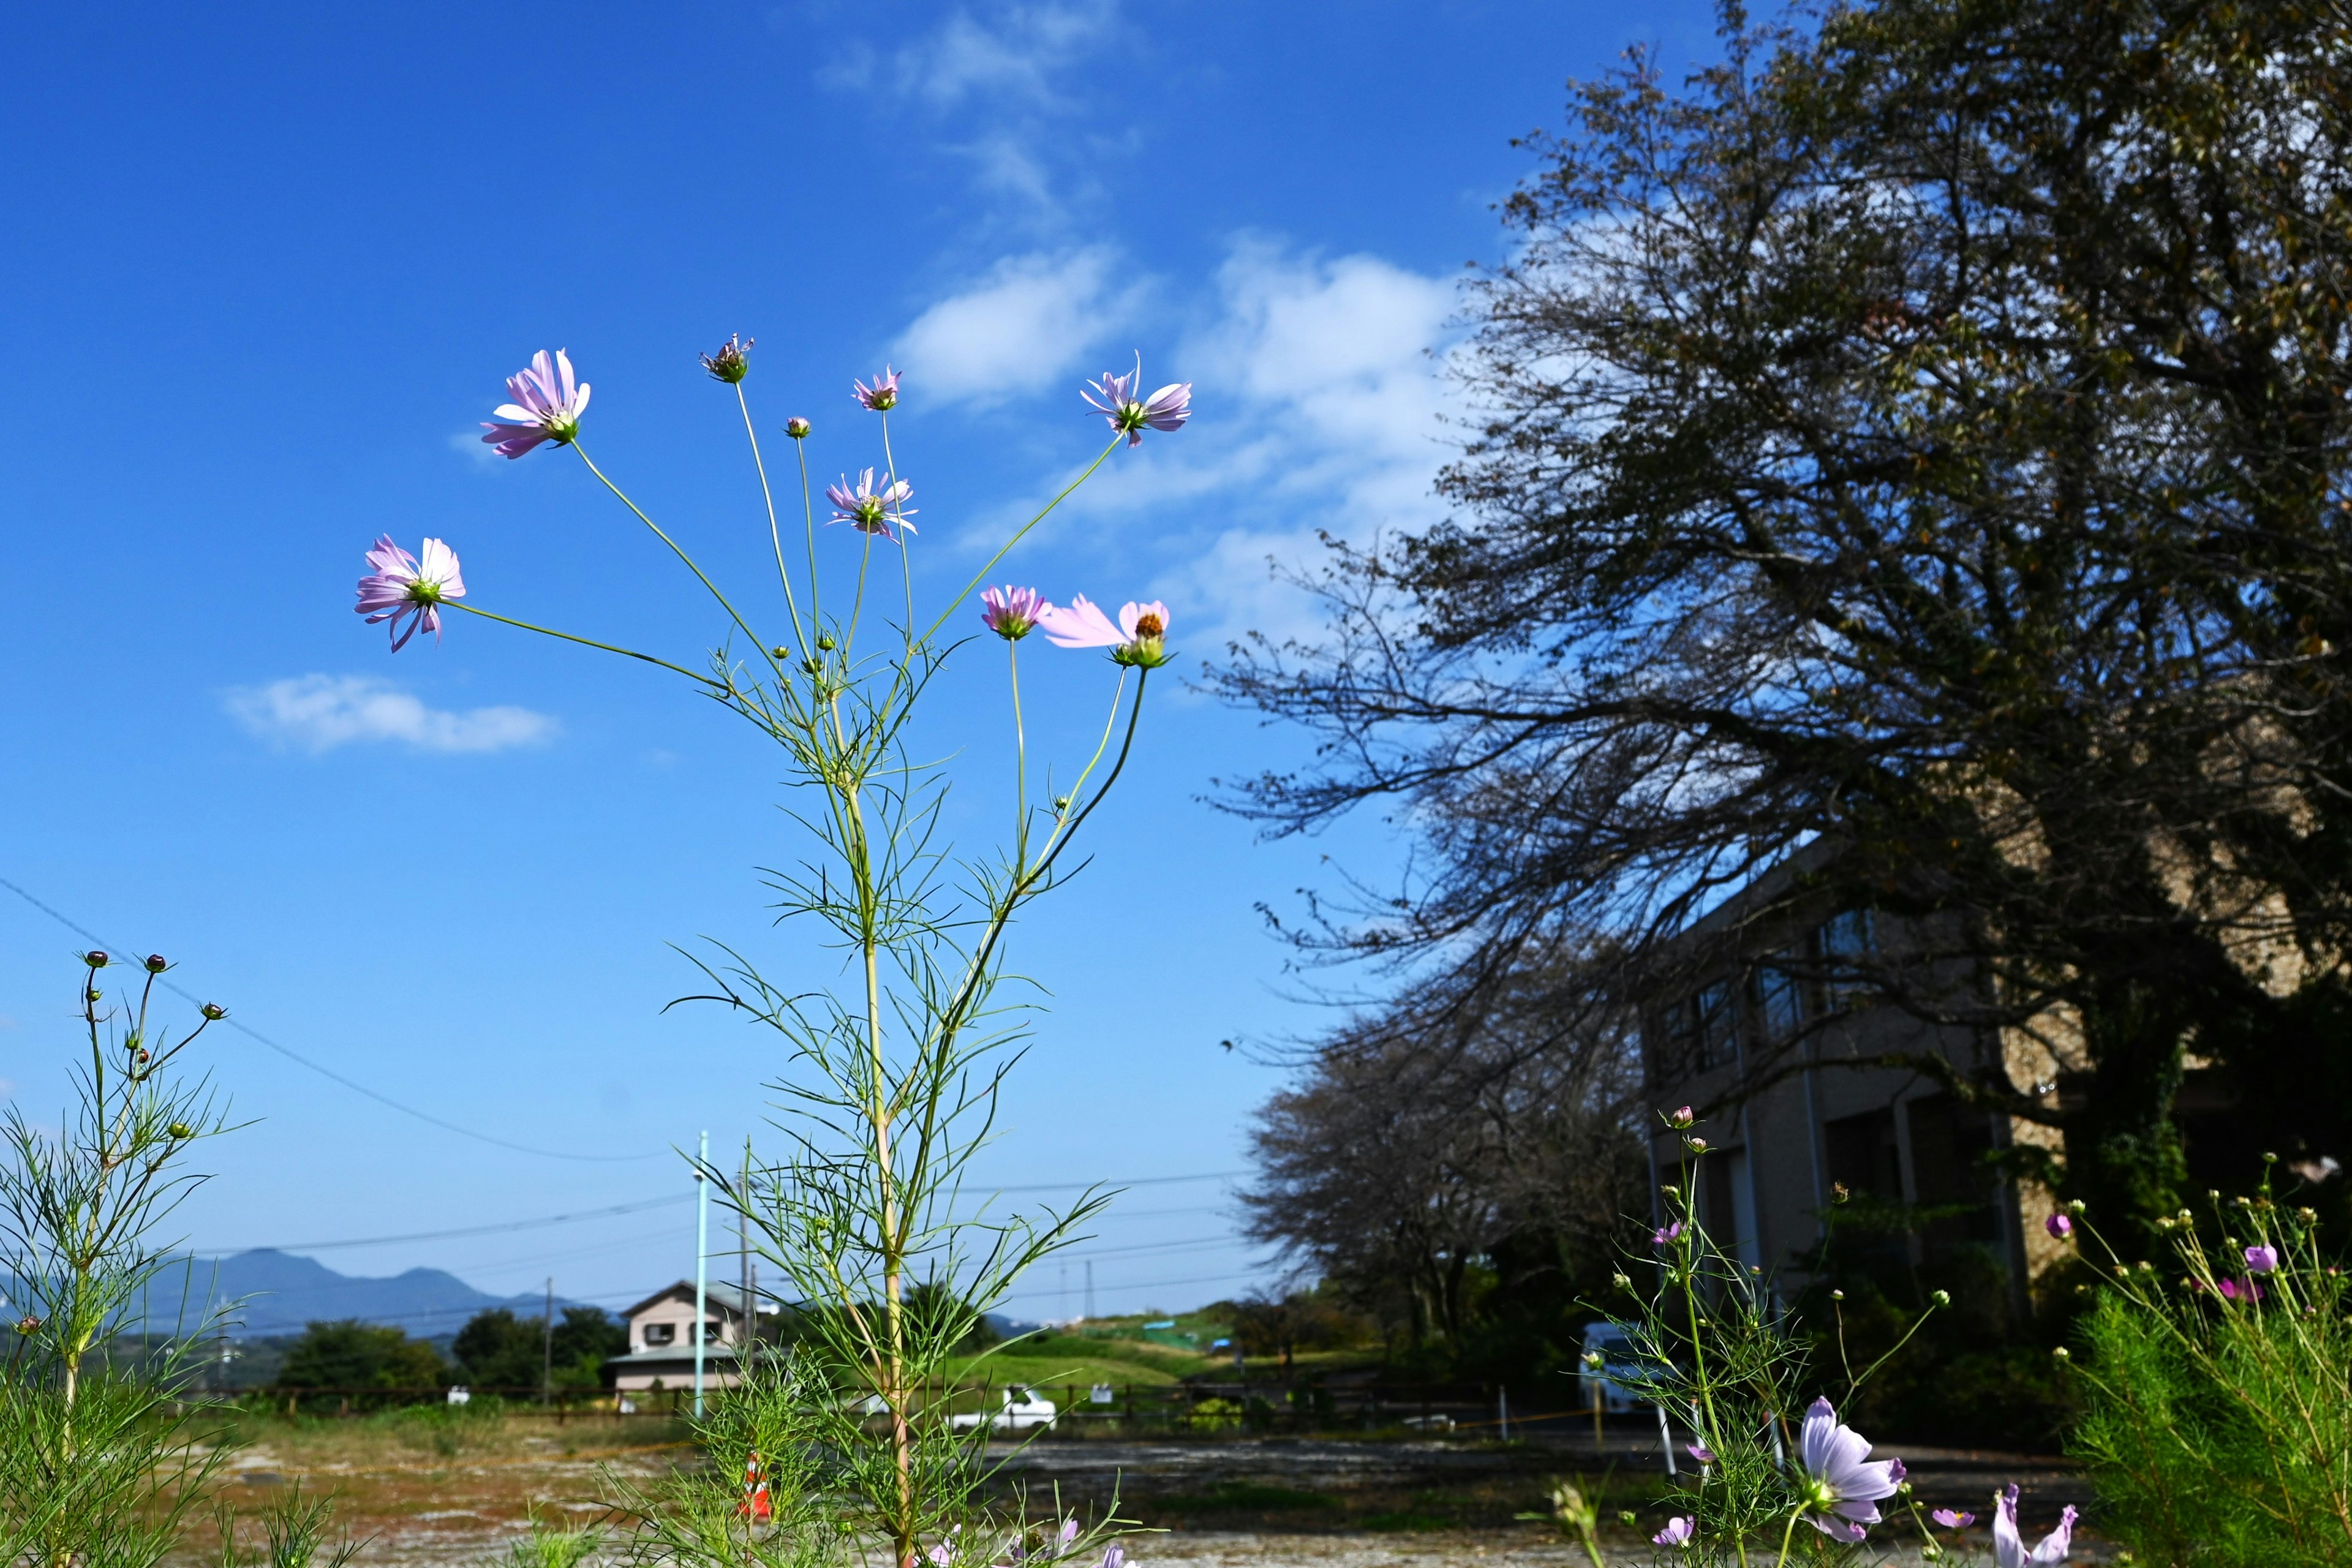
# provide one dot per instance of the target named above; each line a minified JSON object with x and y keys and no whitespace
{"x":279,"y":1292}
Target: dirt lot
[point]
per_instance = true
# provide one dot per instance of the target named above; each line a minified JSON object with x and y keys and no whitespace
{"x":437,"y":1493}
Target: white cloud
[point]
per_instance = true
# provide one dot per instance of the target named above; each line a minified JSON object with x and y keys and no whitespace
{"x":1021,"y":329}
{"x":1010,"y":59}
{"x":320,"y":712}
{"x":1319,"y":388}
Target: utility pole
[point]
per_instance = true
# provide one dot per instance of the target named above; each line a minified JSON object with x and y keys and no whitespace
{"x":1090,"y":1289}
{"x":546,"y":1347}
{"x":748,"y":1331}
{"x":701,"y":1265}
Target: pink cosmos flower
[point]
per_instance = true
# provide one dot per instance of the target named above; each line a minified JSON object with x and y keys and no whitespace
{"x":1668,"y":1236}
{"x":1679,"y":1530}
{"x":1700,"y":1452}
{"x":2249,"y":1290}
{"x":1953,"y":1519}
{"x":2058,"y":1225}
{"x":1138,"y":639}
{"x":1012,"y":612}
{"x":1116,"y":398}
{"x":2009,"y":1546}
{"x":883,"y":395}
{"x":547,"y":407}
{"x":402,"y":588}
{"x":870,"y":510}
{"x":2261,"y":1259}
{"x":1842,"y":1484}
{"x":1114,"y":1557}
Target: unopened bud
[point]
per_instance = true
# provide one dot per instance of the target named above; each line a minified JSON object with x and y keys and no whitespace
{"x":1695,"y":1145}
{"x":28,"y":1324}
{"x":2078,"y":1206}
{"x":1621,"y":1282}
{"x":2270,"y":1159}
{"x":1061,"y":803}
{"x":95,"y":958}
{"x":2062,"y":1353}
{"x":1837,"y":1295}
{"x":156,"y":964}
{"x":213,"y":1012}
{"x":1838,"y":1193}
{"x":1593,"y":1360}
{"x":180,"y":1129}
{"x":142,"y":1056}
{"x":1680,"y":1117}
{"x":1627,"y":1514}
{"x":93,"y":994}
{"x":797,"y":427}
{"x":825,"y":645}
{"x":1941,"y":1298}
{"x":780,"y":654}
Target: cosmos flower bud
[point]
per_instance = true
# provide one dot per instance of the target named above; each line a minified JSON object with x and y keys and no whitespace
{"x":2078,"y":1207}
{"x":28,"y":1324}
{"x":1695,"y":1145}
{"x":1622,"y":1282}
{"x":825,"y":644}
{"x":95,"y":959}
{"x":156,"y":964}
{"x":728,"y":364}
{"x":1593,"y":1360}
{"x":780,"y":653}
{"x":2059,"y":1226}
{"x":213,"y":1012}
{"x":2062,"y":1353}
{"x":1837,"y":1295}
{"x":180,"y":1129}
{"x":2262,"y":1259}
{"x":1680,"y":1117}
{"x":797,"y":427}
{"x":1941,"y":1298}
{"x":1838,"y":1193}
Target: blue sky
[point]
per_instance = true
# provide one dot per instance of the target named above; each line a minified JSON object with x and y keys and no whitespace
{"x":267,"y":266}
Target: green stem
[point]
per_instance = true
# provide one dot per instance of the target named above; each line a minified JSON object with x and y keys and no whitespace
{"x":906,"y":547}
{"x":700,"y":577}
{"x":585,"y":642}
{"x":808,"y":520}
{"x":1786,"y":1536}
{"x":1020,"y":762}
{"x":981,"y":575}
{"x":775,"y":534}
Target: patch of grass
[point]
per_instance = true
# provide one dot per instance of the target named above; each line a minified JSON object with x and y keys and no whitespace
{"x":1407,"y":1519}
{"x":1237,"y":1497}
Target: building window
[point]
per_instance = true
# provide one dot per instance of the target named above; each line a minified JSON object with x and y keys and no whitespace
{"x":1779,"y":1004}
{"x":1847,"y":942}
{"x":711,"y":1335}
{"x":1863,"y":1155}
{"x":660,"y":1334}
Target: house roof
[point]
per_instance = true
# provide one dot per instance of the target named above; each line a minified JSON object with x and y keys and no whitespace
{"x":728,"y":1300}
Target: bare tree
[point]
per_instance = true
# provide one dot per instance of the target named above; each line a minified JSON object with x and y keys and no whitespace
{"x":1911,"y":476}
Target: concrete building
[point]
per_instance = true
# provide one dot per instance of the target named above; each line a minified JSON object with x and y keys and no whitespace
{"x":661,"y":1338}
{"x":1891,"y":1137}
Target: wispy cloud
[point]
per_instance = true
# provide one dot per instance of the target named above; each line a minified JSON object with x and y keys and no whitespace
{"x":319,"y":713}
{"x":1023,"y":327}
{"x":995,"y":80}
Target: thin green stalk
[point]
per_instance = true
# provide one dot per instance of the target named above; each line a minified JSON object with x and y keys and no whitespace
{"x":1020,"y":761}
{"x":1018,"y":534}
{"x":906,"y":547}
{"x":585,"y":642}
{"x":724,"y":603}
{"x":775,"y":534}
{"x":808,"y":520}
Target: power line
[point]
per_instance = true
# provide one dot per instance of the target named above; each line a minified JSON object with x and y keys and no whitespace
{"x":1129,"y":1182}
{"x":452,"y":1235}
{"x":324,"y":1071}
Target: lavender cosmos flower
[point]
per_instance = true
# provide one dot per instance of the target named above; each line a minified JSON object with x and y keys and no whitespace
{"x":547,"y":407}
{"x":1668,"y":1236}
{"x":2058,"y":1225}
{"x":1118,"y":399}
{"x":2008,"y":1547}
{"x":883,"y":395}
{"x":1679,"y":1531}
{"x":1013,"y":613}
{"x":1841,"y":1485}
{"x":1114,"y":1557}
{"x":402,"y":588}
{"x":2261,"y":1259}
{"x":1048,"y":1550}
{"x":1700,"y":1452}
{"x":868,"y":510}
{"x":1953,"y":1519}
{"x":1138,"y":639}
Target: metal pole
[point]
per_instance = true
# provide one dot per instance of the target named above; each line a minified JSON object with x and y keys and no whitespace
{"x":1503,"y":1411}
{"x":547,"y":1346}
{"x":745,"y":1332}
{"x":1666,"y":1439}
{"x":703,"y":1268}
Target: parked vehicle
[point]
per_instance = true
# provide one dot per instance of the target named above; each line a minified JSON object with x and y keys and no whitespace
{"x":1619,"y":1366}
{"x":1024,"y":1409}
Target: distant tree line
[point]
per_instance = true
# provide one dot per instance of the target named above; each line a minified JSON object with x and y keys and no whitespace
{"x":496,"y":1348}
{"x":1916,"y":443}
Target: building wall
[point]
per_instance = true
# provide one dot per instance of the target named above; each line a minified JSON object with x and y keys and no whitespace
{"x":1884,"y":1133}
